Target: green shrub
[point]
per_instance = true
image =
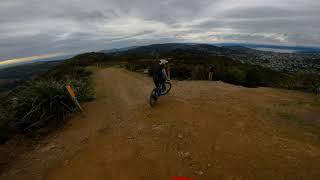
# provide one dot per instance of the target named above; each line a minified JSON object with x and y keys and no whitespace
{"x":84,"y":89}
{"x":43,"y":102}
{"x":199,"y":72}
{"x":40,"y":103}
{"x":181,"y":71}
{"x":300,"y":81}
{"x":252,"y":78}
{"x":68,"y":71}
{"x":5,"y":131}
{"x":236,"y":76}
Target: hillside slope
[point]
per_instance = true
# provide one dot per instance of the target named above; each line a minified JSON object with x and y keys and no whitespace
{"x":283,"y":62}
{"x":201,"y":129}
{"x":12,"y":77}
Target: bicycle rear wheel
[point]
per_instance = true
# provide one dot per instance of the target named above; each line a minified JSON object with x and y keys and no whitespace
{"x":153,"y":98}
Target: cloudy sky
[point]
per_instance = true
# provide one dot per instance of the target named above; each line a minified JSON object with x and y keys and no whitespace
{"x":43,"y":27}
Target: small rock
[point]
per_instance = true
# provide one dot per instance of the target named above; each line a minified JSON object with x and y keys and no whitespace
{"x":209,"y":165}
{"x":48,"y":148}
{"x":184,"y":155}
{"x":66,"y":162}
{"x":180,"y":136}
{"x":85,"y":140}
{"x":199,"y":172}
{"x":187,"y":154}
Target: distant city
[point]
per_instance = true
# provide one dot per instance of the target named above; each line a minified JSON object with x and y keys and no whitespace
{"x":285,"y":59}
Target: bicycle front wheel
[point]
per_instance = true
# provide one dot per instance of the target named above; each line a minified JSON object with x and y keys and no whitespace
{"x":167,"y":88}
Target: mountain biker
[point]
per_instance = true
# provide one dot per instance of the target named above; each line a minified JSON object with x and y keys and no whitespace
{"x":211,"y":70}
{"x":160,"y":74}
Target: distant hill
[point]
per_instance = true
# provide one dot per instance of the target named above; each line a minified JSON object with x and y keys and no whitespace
{"x":163,"y":49}
{"x":160,"y":50}
{"x":30,"y":61}
{"x":12,"y":77}
{"x":284,"y":62}
{"x":118,"y":49}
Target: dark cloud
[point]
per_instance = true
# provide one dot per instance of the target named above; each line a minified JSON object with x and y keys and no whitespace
{"x":259,"y":12}
{"x":36,"y":27}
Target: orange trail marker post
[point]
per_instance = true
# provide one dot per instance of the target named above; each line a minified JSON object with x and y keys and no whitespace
{"x":73,"y":97}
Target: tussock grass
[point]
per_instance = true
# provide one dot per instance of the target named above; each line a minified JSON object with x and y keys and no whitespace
{"x":44,"y":101}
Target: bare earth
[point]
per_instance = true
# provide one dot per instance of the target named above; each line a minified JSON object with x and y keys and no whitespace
{"x":201,"y":130}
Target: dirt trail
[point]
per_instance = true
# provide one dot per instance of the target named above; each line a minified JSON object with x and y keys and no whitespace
{"x":204,"y":130}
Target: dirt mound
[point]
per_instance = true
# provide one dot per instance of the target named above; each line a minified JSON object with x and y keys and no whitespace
{"x":201,"y":129}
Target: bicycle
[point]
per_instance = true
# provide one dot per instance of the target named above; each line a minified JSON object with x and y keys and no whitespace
{"x":159,"y":91}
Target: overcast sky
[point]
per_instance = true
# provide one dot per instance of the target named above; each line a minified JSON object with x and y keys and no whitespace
{"x":42,"y":27}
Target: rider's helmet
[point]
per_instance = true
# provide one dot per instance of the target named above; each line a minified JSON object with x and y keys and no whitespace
{"x":163,"y":62}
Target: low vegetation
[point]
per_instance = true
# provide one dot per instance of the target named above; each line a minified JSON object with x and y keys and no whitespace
{"x":44,"y":101}
{"x":190,"y":64}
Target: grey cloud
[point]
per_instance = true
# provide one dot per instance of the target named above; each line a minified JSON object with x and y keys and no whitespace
{"x":36,"y":27}
{"x":259,"y":12}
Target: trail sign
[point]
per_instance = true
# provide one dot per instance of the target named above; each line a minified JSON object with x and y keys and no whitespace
{"x":73,"y":97}
{"x":70,"y":91}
